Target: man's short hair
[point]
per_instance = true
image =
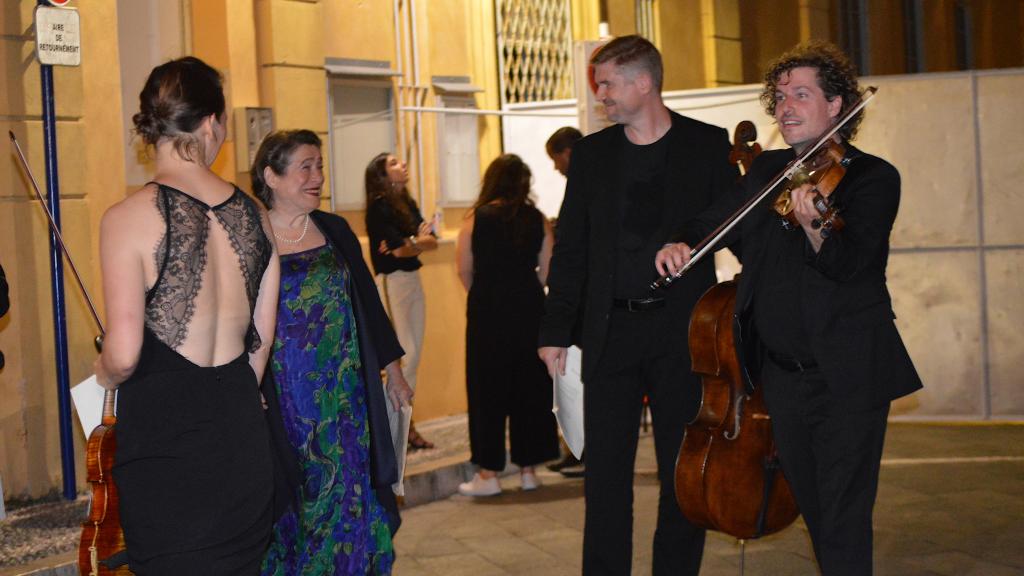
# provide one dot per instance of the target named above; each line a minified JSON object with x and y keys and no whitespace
{"x":836,"y":77}
{"x":563,"y":138}
{"x":635,"y":52}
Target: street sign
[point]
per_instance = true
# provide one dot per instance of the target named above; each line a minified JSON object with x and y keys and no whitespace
{"x":58,"y":36}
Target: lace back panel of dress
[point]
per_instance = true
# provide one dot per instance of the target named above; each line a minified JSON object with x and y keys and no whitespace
{"x":241,"y":218}
{"x":181,"y":259}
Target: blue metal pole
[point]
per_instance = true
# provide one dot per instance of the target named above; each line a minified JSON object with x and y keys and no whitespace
{"x":60,"y":330}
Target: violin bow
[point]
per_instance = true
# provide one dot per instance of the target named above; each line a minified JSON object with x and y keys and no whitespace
{"x":109,"y":396}
{"x":705,"y":246}
{"x":57,"y":235}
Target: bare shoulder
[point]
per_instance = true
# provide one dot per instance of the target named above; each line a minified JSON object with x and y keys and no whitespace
{"x":468,"y":222}
{"x":136,"y":215}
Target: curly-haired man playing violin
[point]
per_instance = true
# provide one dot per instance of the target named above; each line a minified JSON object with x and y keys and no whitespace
{"x":814,"y":313}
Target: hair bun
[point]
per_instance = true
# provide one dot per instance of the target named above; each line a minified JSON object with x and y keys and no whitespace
{"x":148,"y":126}
{"x":175,"y":99}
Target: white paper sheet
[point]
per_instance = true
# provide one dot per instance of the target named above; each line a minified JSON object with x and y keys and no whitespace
{"x":568,"y":401}
{"x":87,"y":397}
{"x":399,"y":423}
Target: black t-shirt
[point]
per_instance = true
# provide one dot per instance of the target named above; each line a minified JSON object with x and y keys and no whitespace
{"x":642,"y":209}
{"x":385,"y":223}
{"x":778,"y":313}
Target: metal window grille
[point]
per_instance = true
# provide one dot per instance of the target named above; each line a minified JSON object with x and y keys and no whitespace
{"x":534,"y":50}
{"x":645,"y":20}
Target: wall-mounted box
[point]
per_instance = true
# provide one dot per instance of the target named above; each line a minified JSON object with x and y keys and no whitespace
{"x":252,"y":125}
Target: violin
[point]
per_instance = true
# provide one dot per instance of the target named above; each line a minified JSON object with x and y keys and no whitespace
{"x":800,"y":163}
{"x":727,"y":475}
{"x":102,"y":539}
{"x":823,"y":171}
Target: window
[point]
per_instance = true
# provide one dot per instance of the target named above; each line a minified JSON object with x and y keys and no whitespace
{"x":457,"y":141}
{"x":362,"y":125}
{"x":534,"y":50}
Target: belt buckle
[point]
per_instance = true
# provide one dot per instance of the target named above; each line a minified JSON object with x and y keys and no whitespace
{"x":642,"y":304}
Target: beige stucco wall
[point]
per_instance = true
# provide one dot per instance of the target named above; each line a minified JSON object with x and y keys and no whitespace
{"x":1002,"y":189}
{"x":958,"y":249}
{"x":91,"y":177}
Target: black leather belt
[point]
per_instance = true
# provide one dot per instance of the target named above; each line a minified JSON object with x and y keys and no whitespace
{"x":639,"y":304}
{"x":789,"y":363}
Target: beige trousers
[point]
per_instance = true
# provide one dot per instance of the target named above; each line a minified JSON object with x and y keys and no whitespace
{"x":402,"y":295}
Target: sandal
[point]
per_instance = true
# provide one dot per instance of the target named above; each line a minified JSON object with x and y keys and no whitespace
{"x":417,"y":442}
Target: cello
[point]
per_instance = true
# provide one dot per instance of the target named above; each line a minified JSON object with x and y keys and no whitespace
{"x":102,"y":538}
{"x":727,"y":475}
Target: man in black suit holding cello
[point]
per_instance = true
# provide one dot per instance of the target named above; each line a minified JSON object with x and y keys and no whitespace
{"x":814,"y":313}
{"x":629,"y":187}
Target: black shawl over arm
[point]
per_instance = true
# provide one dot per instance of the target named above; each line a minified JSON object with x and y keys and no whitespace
{"x":378,"y":347}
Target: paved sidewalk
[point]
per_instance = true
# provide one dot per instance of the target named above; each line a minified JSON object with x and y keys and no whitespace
{"x":951,"y":503}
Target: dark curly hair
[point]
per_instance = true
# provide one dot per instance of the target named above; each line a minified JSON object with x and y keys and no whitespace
{"x":836,"y":77}
{"x":177,"y":97}
{"x":379,"y":188}
{"x":276,"y":152}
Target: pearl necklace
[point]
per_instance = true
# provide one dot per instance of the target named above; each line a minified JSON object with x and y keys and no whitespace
{"x":305,"y":228}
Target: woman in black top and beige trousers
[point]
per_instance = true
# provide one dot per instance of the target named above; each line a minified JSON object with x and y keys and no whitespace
{"x":398,"y":235}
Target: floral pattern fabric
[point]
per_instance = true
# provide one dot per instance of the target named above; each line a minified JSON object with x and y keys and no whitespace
{"x":341,"y":528}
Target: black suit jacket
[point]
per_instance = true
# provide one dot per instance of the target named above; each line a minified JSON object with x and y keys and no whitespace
{"x":581,"y":279}
{"x":846,"y":306}
{"x":378,"y":347}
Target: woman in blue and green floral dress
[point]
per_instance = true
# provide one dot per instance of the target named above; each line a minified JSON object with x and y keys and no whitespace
{"x":326,"y":397}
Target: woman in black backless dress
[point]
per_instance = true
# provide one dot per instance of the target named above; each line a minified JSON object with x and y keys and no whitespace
{"x":502,"y":257}
{"x":190,"y":279}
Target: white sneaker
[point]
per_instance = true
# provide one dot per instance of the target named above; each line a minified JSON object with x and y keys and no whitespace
{"x":529,"y":481}
{"x":480,"y":486}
